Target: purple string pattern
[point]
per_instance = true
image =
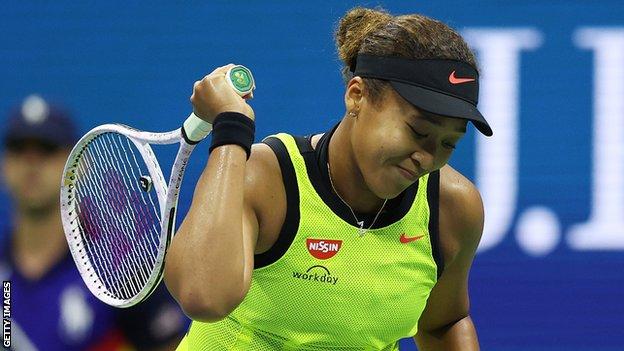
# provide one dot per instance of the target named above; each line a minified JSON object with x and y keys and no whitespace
{"x":118,"y":221}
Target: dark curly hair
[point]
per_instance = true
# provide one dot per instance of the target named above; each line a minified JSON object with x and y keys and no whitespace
{"x":377,"y":32}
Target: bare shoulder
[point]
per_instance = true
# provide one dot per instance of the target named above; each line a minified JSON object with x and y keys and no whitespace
{"x":262,"y":167}
{"x":461,"y":213}
{"x":265,"y":194}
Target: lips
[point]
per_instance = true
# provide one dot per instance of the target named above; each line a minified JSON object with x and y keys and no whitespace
{"x":409,"y":175}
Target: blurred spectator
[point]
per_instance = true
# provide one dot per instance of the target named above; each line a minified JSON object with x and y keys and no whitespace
{"x":52,"y":309}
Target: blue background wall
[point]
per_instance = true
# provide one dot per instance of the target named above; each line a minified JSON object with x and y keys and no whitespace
{"x":136,"y":64}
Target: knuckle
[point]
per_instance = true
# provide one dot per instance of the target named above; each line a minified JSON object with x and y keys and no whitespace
{"x":199,"y":87}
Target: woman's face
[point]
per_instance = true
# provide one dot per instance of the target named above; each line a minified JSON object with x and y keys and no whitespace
{"x":394,"y":143}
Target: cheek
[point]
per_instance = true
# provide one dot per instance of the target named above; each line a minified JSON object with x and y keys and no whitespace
{"x":379,"y":141}
{"x":380,"y":148}
{"x":12,"y":172}
{"x":54,"y":171}
{"x":11,"y":176}
{"x":396,"y":147}
{"x":443,"y":158}
{"x":439,"y":161}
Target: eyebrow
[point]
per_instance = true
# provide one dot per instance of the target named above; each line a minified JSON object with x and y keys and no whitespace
{"x":433,"y":120}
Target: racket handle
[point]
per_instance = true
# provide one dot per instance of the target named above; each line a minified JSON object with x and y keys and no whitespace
{"x":241,"y":80}
{"x":243,"y":83}
{"x":195,"y":128}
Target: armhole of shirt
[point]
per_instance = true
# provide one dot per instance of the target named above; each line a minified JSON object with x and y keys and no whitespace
{"x":291,"y":221}
{"x":433,"y":199}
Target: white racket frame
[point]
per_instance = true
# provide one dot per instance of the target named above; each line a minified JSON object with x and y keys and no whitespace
{"x":192,"y":132}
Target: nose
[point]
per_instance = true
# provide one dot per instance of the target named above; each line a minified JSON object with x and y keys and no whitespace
{"x":424,"y":161}
{"x":33,"y":156}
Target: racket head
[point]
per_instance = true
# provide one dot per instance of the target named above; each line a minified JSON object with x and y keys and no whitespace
{"x":112,"y":198}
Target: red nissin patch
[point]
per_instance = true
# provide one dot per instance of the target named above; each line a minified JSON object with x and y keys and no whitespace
{"x":323,"y":248}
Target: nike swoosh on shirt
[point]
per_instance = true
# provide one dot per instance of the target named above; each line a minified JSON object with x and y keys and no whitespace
{"x":404,"y":239}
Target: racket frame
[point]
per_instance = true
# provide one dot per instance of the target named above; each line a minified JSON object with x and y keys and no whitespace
{"x":167,"y":198}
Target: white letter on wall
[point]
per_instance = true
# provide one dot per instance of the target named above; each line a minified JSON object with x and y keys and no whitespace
{"x":605,"y":228}
{"x":497,"y":157}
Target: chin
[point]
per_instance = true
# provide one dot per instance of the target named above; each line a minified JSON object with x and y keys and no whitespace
{"x":390,"y":190}
{"x":396,"y":193}
{"x":37,"y":206}
{"x":388,"y":186}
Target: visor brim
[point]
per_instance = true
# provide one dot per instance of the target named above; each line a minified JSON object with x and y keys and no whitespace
{"x":442,"y":104}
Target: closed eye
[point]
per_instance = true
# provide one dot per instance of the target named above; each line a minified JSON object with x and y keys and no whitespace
{"x":419,"y":135}
{"x":449,"y":145}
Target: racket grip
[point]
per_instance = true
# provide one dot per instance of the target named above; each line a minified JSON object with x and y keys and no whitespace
{"x":195,"y":128}
{"x":243,"y":83}
{"x":241,"y":80}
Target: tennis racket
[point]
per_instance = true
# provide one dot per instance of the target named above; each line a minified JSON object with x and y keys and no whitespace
{"x":118,"y":212}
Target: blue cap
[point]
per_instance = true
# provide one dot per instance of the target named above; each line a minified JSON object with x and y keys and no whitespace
{"x":38,"y":120}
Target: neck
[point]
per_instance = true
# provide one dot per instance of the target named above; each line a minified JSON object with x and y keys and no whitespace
{"x":346,"y":176}
{"x":38,"y":242}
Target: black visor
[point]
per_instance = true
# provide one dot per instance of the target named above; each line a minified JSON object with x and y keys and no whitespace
{"x":444,"y":87}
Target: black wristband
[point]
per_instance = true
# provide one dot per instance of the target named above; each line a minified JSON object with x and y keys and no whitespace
{"x":233,"y":128}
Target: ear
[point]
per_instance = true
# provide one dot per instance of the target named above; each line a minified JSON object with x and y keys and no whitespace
{"x":354,"y":94}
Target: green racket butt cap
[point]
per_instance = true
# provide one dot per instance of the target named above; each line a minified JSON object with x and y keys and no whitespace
{"x":241,"y":80}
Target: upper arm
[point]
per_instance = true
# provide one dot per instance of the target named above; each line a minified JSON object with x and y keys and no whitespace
{"x":264,"y":204}
{"x":221,"y":231}
{"x":461,"y":225}
{"x":250,"y":238}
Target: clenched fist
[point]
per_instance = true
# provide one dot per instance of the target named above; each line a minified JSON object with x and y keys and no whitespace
{"x":213,"y":95}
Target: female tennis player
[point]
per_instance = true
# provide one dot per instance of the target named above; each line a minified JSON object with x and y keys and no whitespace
{"x":349,"y":240}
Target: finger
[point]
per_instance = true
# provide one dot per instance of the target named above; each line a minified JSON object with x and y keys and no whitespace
{"x":195,"y":86}
{"x":223,"y":69}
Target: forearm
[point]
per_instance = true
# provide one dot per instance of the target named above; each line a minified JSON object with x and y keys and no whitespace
{"x":459,"y":336}
{"x":205,"y":263}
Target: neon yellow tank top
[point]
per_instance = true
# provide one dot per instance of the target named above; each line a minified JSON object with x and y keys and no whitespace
{"x":333,"y":289}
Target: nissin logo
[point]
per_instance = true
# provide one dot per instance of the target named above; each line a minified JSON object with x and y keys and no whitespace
{"x":323,"y":248}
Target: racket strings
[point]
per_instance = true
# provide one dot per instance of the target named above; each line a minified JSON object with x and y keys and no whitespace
{"x":103,"y":236}
{"x":118,"y":220}
{"x":143,"y":215}
{"x":117,"y":208}
{"x":142,"y":259}
{"x":127,"y":261}
{"x":148,"y":221}
{"x":90,"y":228}
{"x":153,"y":206}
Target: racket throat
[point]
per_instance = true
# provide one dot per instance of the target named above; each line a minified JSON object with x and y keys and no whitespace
{"x":171,"y":224}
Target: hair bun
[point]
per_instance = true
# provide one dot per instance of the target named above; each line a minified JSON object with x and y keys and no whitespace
{"x":354,"y":27}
